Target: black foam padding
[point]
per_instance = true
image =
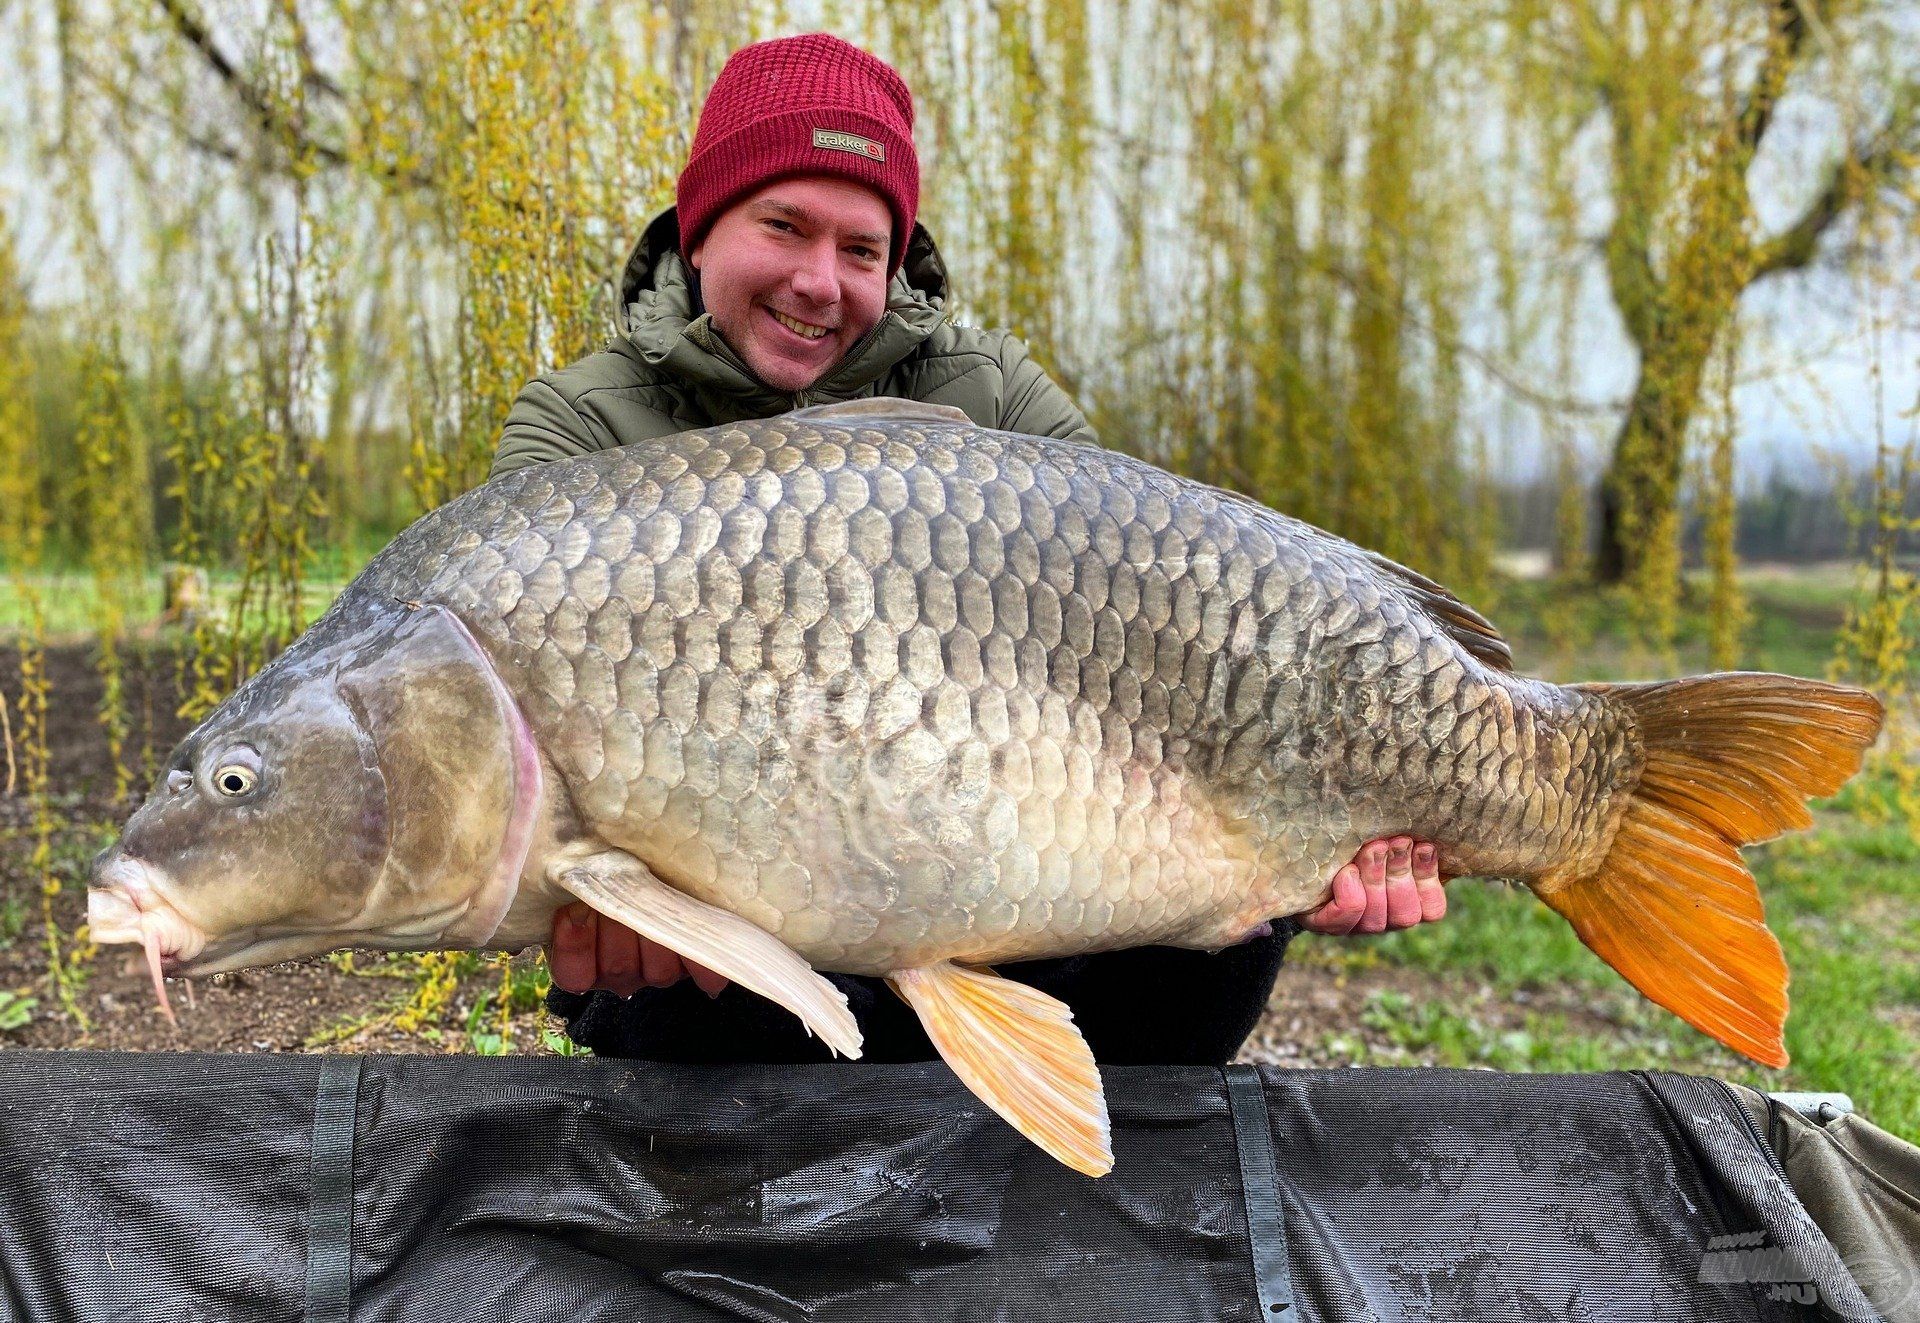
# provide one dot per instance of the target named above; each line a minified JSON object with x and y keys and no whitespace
{"x":196,"y":1187}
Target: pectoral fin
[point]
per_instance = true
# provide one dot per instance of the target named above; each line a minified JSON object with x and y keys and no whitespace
{"x":626,"y":891}
{"x":1017,"y":1049}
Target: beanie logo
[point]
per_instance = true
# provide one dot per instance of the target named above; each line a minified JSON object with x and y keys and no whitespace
{"x":835,"y":141}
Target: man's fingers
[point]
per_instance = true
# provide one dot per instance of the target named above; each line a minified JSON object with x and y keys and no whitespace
{"x":1403,"y":897}
{"x":705,"y":979}
{"x":590,"y":952}
{"x":573,"y":955}
{"x":1373,"y":876}
{"x":1343,"y":909}
{"x":1426,"y":877}
{"x":662,"y":964}
{"x":619,"y":958}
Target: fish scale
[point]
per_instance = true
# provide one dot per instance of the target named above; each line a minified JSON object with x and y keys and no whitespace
{"x":1014,"y":697}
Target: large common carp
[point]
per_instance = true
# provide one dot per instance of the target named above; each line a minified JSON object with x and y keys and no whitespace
{"x":868,"y":688}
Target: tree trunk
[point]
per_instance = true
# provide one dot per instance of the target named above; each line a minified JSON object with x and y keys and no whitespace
{"x":1641,"y":487}
{"x":1609,"y":556}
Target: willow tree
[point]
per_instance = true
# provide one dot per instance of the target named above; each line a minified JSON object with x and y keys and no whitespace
{"x":1690,"y":95}
{"x":1234,"y":231}
{"x":546,"y":135}
{"x":503,"y":147}
{"x":1003,"y":119}
{"x":1327,"y":212}
{"x":23,"y":538}
{"x":1253,"y":237}
{"x":1236,"y":234}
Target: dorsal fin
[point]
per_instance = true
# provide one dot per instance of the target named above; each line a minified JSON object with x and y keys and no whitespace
{"x":885,"y":406}
{"x":1463,"y":624}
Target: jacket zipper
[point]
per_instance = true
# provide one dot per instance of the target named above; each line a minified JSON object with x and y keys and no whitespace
{"x":801,"y":398}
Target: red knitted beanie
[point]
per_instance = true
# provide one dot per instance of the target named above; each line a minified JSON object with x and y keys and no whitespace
{"x":811,"y":105}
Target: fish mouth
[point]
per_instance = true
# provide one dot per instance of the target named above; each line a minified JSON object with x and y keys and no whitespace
{"x":126,"y":903}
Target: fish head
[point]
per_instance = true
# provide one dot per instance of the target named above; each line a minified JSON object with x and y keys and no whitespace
{"x":373,"y":787}
{"x":269,"y":825}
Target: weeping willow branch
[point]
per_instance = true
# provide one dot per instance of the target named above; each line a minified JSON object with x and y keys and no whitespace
{"x":1675,"y":312}
{"x":1885,"y":162}
{"x":286,"y":132}
{"x":1785,"y":47}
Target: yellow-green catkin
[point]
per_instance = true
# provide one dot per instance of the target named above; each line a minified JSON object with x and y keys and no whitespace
{"x":1876,"y":646}
{"x":543,"y":157}
{"x":1719,"y":501}
{"x":117,"y":528}
{"x":246,"y":464}
{"x":23,"y":535}
{"x":1878,"y":641}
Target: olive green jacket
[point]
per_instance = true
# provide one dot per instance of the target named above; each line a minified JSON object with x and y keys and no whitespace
{"x":669,"y":370}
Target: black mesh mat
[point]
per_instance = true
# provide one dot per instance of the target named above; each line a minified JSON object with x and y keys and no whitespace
{"x":199,"y":1187}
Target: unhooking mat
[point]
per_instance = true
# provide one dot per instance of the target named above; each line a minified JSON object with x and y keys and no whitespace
{"x":386,"y":1189}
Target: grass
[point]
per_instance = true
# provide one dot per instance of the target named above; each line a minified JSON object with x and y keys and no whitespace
{"x":71,"y":602}
{"x":1795,"y":615}
{"x":1522,"y":993}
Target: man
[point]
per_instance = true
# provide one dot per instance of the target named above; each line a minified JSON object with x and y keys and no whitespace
{"x":792,"y":272}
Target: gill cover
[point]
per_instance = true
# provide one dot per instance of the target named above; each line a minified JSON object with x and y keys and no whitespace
{"x":461,"y":774}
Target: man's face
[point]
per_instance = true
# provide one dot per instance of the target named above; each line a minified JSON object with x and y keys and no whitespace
{"x":808,"y":252}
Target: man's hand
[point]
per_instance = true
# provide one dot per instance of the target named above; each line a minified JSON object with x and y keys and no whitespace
{"x":1390,"y":885}
{"x":591,"y":953}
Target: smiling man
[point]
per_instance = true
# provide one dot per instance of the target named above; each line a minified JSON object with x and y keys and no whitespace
{"x":802,"y":276}
{"x":792,"y":272}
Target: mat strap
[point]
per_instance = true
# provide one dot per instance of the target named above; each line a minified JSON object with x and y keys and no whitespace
{"x":1260,"y":1186}
{"x":330,"y":1216}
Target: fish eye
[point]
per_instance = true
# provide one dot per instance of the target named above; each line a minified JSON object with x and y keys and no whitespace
{"x":233,"y":779}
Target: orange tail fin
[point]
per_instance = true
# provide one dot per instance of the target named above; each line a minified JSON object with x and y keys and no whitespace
{"x":1730,"y":759}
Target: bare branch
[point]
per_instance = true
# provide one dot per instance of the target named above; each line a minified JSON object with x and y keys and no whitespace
{"x":286,"y":133}
{"x":312,"y":76}
{"x":1786,"y":43}
{"x":268,"y":116}
{"x":127,"y":106}
{"x":1875,"y":164}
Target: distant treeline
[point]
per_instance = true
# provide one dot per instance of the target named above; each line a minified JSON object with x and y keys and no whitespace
{"x":1791,"y":517}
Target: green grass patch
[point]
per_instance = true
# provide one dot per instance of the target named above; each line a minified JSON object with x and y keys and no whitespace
{"x":1844,"y":900}
{"x":72,"y":603}
{"x":1573,"y":634}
